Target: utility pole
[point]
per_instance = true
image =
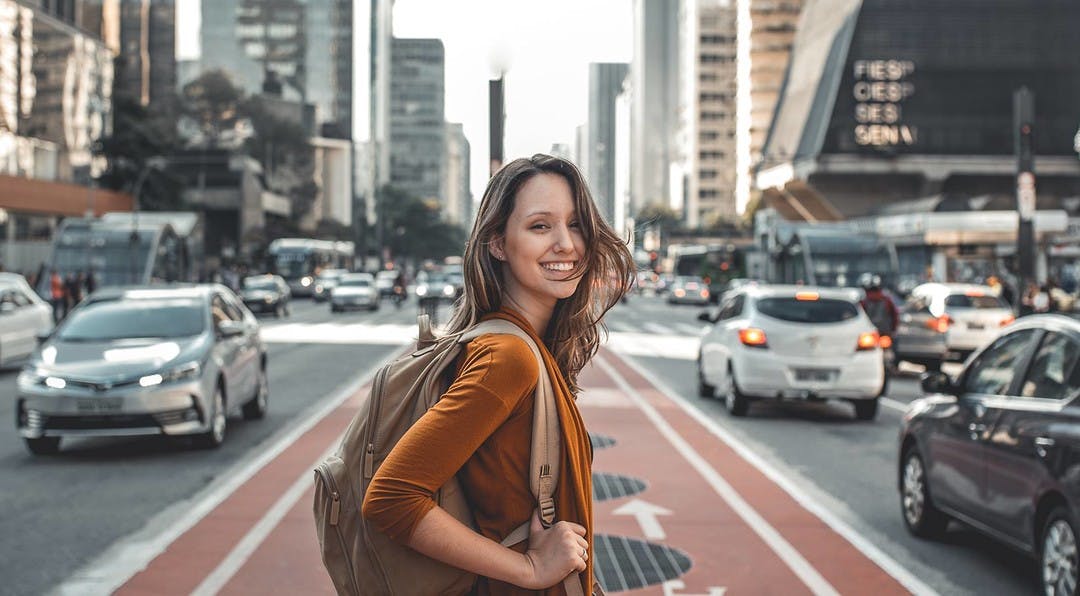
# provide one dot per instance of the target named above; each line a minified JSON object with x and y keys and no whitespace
{"x":1023,"y":125}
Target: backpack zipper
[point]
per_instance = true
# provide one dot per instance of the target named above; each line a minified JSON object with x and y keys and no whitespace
{"x":335,"y":511}
{"x":373,"y":417}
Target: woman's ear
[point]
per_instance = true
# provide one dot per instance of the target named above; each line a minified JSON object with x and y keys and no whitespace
{"x":497,"y":248}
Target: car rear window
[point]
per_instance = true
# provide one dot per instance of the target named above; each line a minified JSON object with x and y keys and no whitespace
{"x":965,"y":301}
{"x":123,"y":319}
{"x":807,"y":311}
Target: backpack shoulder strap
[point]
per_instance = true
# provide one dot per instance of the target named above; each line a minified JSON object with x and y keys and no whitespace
{"x":544,"y":460}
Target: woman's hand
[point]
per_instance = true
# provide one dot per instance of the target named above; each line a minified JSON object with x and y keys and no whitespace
{"x":554,"y":553}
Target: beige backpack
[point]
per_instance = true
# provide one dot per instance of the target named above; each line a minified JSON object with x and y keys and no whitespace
{"x":362,"y":560}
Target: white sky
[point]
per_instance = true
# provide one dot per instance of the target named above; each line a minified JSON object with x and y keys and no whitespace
{"x":545,"y":47}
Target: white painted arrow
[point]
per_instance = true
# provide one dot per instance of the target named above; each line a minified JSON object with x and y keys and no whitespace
{"x":646,"y":513}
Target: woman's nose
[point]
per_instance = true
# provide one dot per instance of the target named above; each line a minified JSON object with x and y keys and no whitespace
{"x":563,"y":240}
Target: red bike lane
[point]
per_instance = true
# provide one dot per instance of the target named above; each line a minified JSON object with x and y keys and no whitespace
{"x":678,"y":511}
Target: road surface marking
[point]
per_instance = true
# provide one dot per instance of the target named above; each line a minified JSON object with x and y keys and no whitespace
{"x":646,"y":514}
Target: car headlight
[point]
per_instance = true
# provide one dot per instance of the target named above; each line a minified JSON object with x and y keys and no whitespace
{"x":306,"y":281}
{"x":179,"y":373}
{"x":268,"y":299}
{"x":421,"y":290}
{"x":31,"y":376}
{"x":448,"y":290}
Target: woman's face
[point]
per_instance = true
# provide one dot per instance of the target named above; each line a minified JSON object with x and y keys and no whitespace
{"x":543,"y":246}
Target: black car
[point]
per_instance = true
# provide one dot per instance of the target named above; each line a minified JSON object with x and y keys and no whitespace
{"x":266,"y":294}
{"x":999,"y":447}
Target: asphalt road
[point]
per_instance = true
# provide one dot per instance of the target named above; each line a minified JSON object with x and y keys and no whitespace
{"x":62,"y":512}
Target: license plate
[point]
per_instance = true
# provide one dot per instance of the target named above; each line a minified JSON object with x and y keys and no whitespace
{"x":100,"y":404}
{"x":976,"y":326}
{"x":812,"y":374}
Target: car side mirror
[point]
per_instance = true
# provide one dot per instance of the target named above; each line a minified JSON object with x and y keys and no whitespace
{"x":937,"y":382}
{"x":227,"y":329}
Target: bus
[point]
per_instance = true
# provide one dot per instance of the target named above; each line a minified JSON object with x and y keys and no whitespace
{"x":834,"y":256}
{"x":717,"y":264}
{"x":299,"y":260}
{"x":123,"y":249}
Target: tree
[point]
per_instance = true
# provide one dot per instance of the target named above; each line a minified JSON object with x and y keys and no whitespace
{"x":413,"y":228}
{"x":282,"y":147}
{"x":139,"y":135}
{"x":211,"y":105}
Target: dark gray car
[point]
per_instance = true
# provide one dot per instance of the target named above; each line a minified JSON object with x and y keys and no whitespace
{"x":145,"y":361}
{"x":999,"y":447}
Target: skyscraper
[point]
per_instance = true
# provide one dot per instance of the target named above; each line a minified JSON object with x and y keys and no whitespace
{"x":458,"y":209}
{"x":605,"y":84}
{"x":308,"y":46}
{"x":654,"y":73}
{"x":417,"y":121}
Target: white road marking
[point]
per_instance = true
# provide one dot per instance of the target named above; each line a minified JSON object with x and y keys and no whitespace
{"x":331,"y":333}
{"x":126,"y":557}
{"x":783,"y":549}
{"x":646,"y":515}
{"x":899,"y":406}
{"x":890,"y":565}
{"x":656,"y":328}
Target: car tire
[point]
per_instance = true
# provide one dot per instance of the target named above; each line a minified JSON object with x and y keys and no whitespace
{"x":704,"y":389}
{"x":256,"y":408}
{"x":213,"y":438}
{"x":917,"y":508}
{"x":1058,"y":558}
{"x":737,"y":404}
{"x":865,"y":409}
{"x":43,"y":445}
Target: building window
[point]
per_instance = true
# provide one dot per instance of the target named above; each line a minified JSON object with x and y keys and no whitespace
{"x":708,"y":174}
{"x":708,"y":193}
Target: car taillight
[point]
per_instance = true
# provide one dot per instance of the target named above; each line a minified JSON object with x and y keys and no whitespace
{"x":868,"y":340}
{"x":1008,"y":320}
{"x":939,"y":324}
{"x":704,"y":293}
{"x":886,"y":342}
{"x":753,"y":337}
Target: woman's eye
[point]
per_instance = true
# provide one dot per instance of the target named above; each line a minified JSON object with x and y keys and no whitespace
{"x":575,"y":224}
{"x":538,"y":226}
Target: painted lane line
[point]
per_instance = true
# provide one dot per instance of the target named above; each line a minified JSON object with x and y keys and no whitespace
{"x":241,"y":553}
{"x":886,"y":562}
{"x":783,"y":549}
{"x":126,"y":557}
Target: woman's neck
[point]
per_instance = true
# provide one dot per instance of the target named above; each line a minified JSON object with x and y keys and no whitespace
{"x":538,"y":315}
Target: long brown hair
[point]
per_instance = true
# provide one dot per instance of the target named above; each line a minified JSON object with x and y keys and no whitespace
{"x":573,"y":335}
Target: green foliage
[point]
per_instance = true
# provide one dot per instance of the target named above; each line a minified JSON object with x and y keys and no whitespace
{"x":657,"y":215}
{"x":414,"y":229}
{"x":213,"y":102}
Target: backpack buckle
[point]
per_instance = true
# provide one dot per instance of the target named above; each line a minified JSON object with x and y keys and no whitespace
{"x":547,"y":512}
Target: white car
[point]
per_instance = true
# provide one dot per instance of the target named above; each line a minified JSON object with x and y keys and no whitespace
{"x":947,"y":322}
{"x":24,"y":317}
{"x":354,"y":290}
{"x":791,"y":342}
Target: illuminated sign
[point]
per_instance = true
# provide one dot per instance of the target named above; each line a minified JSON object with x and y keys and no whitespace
{"x":881,"y":87}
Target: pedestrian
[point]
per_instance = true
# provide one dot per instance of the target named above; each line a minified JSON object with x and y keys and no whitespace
{"x":72,"y":291}
{"x":541,"y":256}
{"x":56,"y":296}
{"x":91,"y":282}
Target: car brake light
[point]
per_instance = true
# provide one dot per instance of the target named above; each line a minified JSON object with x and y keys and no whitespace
{"x":974,"y":293}
{"x":1008,"y":320}
{"x":807,"y":296}
{"x":939,"y":324}
{"x":868,"y":340}
{"x":753,"y":337}
{"x":704,"y":293}
{"x":886,"y":342}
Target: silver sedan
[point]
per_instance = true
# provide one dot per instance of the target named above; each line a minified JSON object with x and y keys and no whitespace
{"x":145,"y":361}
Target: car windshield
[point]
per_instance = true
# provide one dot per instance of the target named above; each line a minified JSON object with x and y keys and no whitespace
{"x":261,"y":283}
{"x":355,"y":282}
{"x":689,"y":280}
{"x":435,"y":280}
{"x":122,"y":319}
{"x":387,"y":275}
{"x":965,"y":301}
{"x":807,"y":311}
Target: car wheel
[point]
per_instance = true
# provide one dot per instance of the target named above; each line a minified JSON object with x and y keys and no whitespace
{"x":1058,"y":554}
{"x":920,"y":516}
{"x":704,"y":389}
{"x":737,"y":404}
{"x":255,"y":409}
{"x":213,"y":438}
{"x":43,"y":445}
{"x":865,"y":409}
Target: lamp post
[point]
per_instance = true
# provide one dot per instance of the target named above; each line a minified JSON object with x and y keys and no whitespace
{"x":1023,"y":126}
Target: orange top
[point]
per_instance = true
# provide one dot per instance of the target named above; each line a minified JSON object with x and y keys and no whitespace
{"x":481,"y":429}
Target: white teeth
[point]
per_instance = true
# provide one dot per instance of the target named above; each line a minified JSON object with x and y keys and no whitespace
{"x":558,"y":266}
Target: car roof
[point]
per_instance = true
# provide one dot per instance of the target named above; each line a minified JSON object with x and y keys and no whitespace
{"x":790,"y":291}
{"x":157,"y":291}
{"x":1053,"y":322}
{"x":950,"y":288}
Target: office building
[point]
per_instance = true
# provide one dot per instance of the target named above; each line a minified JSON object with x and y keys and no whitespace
{"x":654,"y":76}
{"x":605,"y":84}
{"x":458,"y":206}
{"x":417,"y":121}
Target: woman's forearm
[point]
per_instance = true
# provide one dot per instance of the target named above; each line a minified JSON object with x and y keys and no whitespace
{"x":442,"y":537}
